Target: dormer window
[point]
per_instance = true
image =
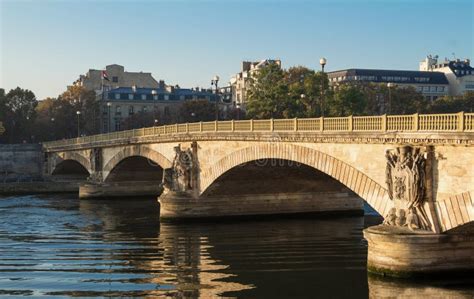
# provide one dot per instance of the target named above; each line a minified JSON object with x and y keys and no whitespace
{"x":130,"y":96}
{"x":117,"y":96}
{"x":143,"y":96}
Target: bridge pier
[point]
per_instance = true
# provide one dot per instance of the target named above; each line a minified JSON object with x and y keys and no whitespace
{"x":128,"y":190}
{"x":179,"y":205}
{"x":400,"y":252}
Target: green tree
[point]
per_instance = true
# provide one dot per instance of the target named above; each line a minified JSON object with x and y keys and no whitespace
{"x":197,"y":110}
{"x":17,"y":108}
{"x":450,"y":104}
{"x":348,"y":99}
{"x":268,"y":95}
{"x":406,"y":100}
{"x":305,"y":90}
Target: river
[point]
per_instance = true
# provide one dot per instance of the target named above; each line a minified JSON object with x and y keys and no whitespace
{"x":57,"y":245}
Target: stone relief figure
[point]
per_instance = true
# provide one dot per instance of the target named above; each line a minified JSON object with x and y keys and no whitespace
{"x":405,"y":178}
{"x":95,"y":159}
{"x":179,"y":177}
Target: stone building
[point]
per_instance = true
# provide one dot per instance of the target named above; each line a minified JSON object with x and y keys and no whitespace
{"x":117,"y":77}
{"x":123,"y":102}
{"x":460,"y":74}
{"x":240,"y":82}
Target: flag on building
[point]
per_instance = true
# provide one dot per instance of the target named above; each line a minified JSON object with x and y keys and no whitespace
{"x":105,"y":76}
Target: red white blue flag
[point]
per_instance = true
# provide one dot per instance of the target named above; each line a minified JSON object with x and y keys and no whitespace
{"x":105,"y":76}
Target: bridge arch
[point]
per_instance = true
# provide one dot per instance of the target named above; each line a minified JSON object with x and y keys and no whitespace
{"x":60,"y":158}
{"x":135,"y":151}
{"x":365,"y":187}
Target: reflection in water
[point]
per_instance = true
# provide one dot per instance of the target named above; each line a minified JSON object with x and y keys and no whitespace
{"x":56,"y":245}
{"x":441,"y":288}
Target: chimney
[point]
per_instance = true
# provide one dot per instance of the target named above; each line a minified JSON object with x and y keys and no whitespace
{"x":161,"y":84}
{"x":134,"y":88}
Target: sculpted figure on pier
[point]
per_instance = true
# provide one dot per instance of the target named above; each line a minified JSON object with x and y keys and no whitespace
{"x":180,"y":176}
{"x":405,"y":178}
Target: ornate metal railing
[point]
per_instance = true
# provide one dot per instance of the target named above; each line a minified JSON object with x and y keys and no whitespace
{"x":455,"y":122}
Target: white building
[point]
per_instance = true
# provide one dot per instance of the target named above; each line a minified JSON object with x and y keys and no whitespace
{"x":459,"y":74}
{"x":240,"y":82}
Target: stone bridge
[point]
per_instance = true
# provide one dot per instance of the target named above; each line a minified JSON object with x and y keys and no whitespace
{"x":417,"y":171}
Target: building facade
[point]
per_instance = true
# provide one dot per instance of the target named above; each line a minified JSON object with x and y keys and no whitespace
{"x":123,"y":102}
{"x":430,"y":84}
{"x":459,"y":73}
{"x":240,"y":82}
{"x":117,"y":77}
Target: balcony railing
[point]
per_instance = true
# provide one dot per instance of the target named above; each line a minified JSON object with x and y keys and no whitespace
{"x":454,"y":122}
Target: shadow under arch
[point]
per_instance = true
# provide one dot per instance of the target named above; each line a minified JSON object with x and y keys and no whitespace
{"x":70,"y":169}
{"x":151,"y":155}
{"x":71,"y":156}
{"x":365,"y":187}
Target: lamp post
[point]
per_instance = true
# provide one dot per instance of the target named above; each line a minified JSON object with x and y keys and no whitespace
{"x":389,"y":86}
{"x":52,"y":128}
{"x":109,"y":104}
{"x":322,"y":62}
{"x":238,"y":110}
{"x":156,"y":122}
{"x":78,"y":113}
{"x":215,"y":82}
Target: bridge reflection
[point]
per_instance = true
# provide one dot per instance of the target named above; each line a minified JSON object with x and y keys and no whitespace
{"x":272,"y":258}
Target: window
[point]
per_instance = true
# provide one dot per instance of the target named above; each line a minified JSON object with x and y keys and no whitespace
{"x":145,"y":109}
{"x":130,"y":96}
{"x":433,"y":88}
{"x":155,"y":97}
{"x":115,"y":79}
{"x":143,"y":96}
{"x":117,"y":124}
{"x":118,"y":111}
{"x":117,"y":96}
{"x":130,"y":110}
{"x":441,"y":88}
{"x":167,"y":97}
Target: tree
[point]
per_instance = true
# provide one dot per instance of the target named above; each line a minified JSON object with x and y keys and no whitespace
{"x":406,"y":100}
{"x":450,"y":104}
{"x":138,"y":120}
{"x":348,"y":99}
{"x":268,"y":95}
{"x":86,"y":102}
{"x":17,"y":108}
{"x":305,"y":90}
{"x":197,"y":110}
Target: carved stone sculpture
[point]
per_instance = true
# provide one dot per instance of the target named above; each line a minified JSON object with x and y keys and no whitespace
{"x":405,"y":178}
{"x":180,"y":176}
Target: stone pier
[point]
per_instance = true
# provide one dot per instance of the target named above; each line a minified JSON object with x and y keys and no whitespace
{"x":179,"y":206}
{"x":399,"y":252}
{"x":119,"y":190}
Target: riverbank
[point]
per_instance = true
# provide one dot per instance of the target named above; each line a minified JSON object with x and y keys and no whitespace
{"x":21,"y":188}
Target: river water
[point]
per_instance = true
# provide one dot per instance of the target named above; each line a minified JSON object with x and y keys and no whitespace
{"x":57,"y":245}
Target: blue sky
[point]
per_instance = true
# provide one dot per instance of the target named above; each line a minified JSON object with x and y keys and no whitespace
{"x":46,"y":45}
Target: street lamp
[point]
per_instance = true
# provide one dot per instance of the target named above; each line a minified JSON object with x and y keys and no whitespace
{"x":78,"y":123}
{"x":215,"y":82}
{"x":109,"y":104}
{"x":390,"y":85}
{"x":322,"y":62}
{"x":156,"y":122}
{"x":238,"y":110}
{"x":52,"y":128}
